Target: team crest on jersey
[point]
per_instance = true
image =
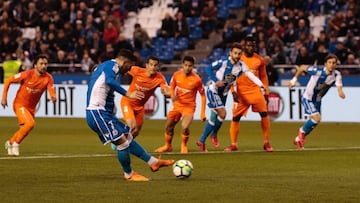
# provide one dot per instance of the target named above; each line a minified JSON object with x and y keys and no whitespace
{"x":115,"y":68}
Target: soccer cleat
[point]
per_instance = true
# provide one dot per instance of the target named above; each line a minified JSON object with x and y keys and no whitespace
{"x":161,"y":163}
{"x":9,"y":148}
{"x":201,"y":146}
{"x":267,"y":147}
{"x":136,"y":177}
{"x":215,"y":142}
{"x":298,"y":143}
{"x":301,"y":136}
{"x":165,"y":148}
{"x":184,"y":149}
{"x":15,"y":149}
{"x":231,"y":148}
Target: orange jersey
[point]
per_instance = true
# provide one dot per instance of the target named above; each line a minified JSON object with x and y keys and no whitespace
{"x":185,"y":88}
{"x":147,"y":85}
{"x":257,"y":66}
{"x":31,"y":88}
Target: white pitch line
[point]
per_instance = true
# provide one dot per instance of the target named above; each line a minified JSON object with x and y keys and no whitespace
{"x":56,"y":156}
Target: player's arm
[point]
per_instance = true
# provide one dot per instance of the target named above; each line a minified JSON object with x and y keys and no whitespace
{"x":51,"y":89}
{"x":264,"y":79}
{"x":203,"y":102}
{"x":13,"y":79}
{"x":172,"y":89}
{"x":210,"y":71}
{"x":164,"y":87}
{"x":234,"y":94}
{"x":115,"y":85}
{"x":339,"y":86}
{"x":299,"y":71}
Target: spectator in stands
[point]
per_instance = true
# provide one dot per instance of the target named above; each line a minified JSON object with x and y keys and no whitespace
{"x":252,"y":10}
{"x":7,"y":46}
{"x":167,"y":26}
{"x":62,"y":42}
{"x":278,"y":57}
{"x":304,"y":57}
{"x":351,"y":61}
{"x":208,"y":18}
{"x":321,"y":53}
{"x":273,"y":41}
{"x":11,"y":66}
{"x":61,"y":61}
{"x":64,"y":11}
{"x":337,"y":24}
{"x":123,"y":43}
{"x":290,"y":34}
{"x":264,"y":20}
{"x":141,"y":37}
{"x":272,"y":73}
{"x":111,"y":33}
{"x":26,"y":63}
{"x":86,"y":62}
{"x":278,"y":29}
{"x":311,"y":44}
{"x":108,"y":54}
{"x":341,"y":52}
{"x":182,"y":28}
{"x":96,"y":45}
{"x":31,"y":17}
{"x":89,"y":28}
{"x":80,"y":47}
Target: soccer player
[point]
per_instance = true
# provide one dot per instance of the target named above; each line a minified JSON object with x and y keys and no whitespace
{"x":33,"y":83}
{"x":223,"y":74}
{"x":184,"y":86}
{"x":144,"y":80}
{"x":248,"y":94}
{"x":100,"y":116}
{"x":322,"y":78}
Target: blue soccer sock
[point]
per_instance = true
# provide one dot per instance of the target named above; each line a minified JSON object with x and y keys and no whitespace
{"x":208,"y":129}
{"x":308,"y":126}
{"x":124,"y":159}
{"x":217,"y":126}
{"x":137,"y":150}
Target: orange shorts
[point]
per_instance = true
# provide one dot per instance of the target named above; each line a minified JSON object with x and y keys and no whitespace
{"x":177,"y":112}
{"x":23,"y":114}
{"x":254,"y":99}
{"x":132,"y":112}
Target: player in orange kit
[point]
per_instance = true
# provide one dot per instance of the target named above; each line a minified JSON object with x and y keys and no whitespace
{"x":145,"y":80}
{"x":248,"y":94}
{"x":184,"y":86}
{"x":33,"y":83}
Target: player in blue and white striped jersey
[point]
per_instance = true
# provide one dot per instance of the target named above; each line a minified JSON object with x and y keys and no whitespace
{"x":100,"y":114}
{"x":223,"y":74}
{"x":322,"y":78}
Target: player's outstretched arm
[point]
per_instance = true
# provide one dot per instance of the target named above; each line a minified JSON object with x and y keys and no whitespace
{"x":341,"y":92}
{"x":299,"y":70}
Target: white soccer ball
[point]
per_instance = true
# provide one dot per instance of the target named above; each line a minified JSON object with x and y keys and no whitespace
{"x":182,"y":168}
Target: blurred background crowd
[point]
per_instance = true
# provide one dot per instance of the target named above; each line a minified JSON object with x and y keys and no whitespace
{"x":88,"y":32}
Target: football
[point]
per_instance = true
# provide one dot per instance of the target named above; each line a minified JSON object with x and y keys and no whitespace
{"x":182,"y":168}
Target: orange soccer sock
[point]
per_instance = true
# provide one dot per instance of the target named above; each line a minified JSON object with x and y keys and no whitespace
{"x":184,"y":139}
{"x":168,"y":139}
{"x":234,"y":131}
{"x":265,"y":125}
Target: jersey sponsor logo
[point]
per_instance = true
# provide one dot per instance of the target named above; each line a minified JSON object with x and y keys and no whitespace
{"x":275,"y":105}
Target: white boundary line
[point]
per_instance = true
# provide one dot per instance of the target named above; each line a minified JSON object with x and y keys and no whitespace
{"x":56,"y":156}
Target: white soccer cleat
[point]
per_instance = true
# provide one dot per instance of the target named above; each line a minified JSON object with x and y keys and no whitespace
{"x":15,"y":149}
{"x":9,"y":148}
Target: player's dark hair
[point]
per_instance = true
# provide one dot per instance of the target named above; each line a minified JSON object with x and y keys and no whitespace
{"x":331,"y":56}
{"x":235,"y":45}
{"x":38,"y":57}
{"x":126,"y":54}
{"x":249,"y":38}
{"x":153,"y":58}
{"x":189,"y":58}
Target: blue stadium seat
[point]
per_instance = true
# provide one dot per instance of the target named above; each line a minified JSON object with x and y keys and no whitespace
{"x":182,"y":43}
{"x":236,"y":4}
{"x":195,"y":33}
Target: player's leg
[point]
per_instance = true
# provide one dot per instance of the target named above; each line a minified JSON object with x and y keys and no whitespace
{"x":258,"y":103}
{"x":154,"y":163}
{"x":214,"y":134}
{"x":237,"y":111}
{"x":214,"y":102}
{"x":172,"y":119}
{"x":312,"y":109}
{"x":109,"y":129}
{"x":185,"y":131}
{"x":26,"y":124}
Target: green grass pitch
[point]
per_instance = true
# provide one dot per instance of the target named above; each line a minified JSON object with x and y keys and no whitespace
{"x":62,"y":160}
